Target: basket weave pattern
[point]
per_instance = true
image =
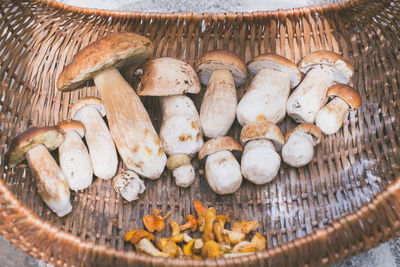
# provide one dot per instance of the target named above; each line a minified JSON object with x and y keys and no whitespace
{"x":346,"y":201}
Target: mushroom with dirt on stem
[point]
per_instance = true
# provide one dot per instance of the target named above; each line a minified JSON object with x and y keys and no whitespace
{"x":298,"y":150}
{"x":260,"y":160}
{"x":103,"y":155}
{"x":268,"y":92}
{"x":34,"y":145}
{"x":181,"y":131}
{"x":323,"y":69}
{"x":73,"y":155}
{"x":222,"y":169}
{"x":131,"y":128}
{"x":220,"y":71}
{"x":128,"y":184}
{"x":330,"y":117}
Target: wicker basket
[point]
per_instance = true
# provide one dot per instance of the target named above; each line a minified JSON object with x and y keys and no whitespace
{"x":346,"y":201}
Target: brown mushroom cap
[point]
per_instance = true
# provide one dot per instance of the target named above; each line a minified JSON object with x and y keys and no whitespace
{"x":168,"y":76}
{"x":263,"y":130}
{"x":93,"y":102}
{"x":219,"y":144}
{"x":47,"y":136}
{"x":347,"y":93}
{"x":114,"y":50}
{"x":307,"y":128}
{"x":342,"y":69}
{"x":71,"y":125}
{"x":221,"y":60}
{"x":177,"y":160}
{"x":276,"y":62}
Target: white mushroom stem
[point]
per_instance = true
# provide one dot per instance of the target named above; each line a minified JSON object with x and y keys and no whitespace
{"x":330,"y":118}
{"x":298,"y":150}
{"x":304,"y":103}
{"x":99,"y":141}
{"x":75,"y":161}
{"x":184,"y":175}
{"x":260,"y":162}
{"x":147,"y":247}
{"x":130,"y":125}
{"x":223,"y":172}
{"x":266,"y":98}
{"x":218,"y":109}
{"x":180,"y":131}
{"x":51,"y":183}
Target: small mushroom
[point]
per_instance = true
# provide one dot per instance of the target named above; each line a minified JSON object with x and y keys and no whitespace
{"x":245,"y":226}
{"x":128,"y":184}
{"x":259,"y":242}
{"x":219,"y":70}
{"x":167,"y":246}
{"x":266,"y":97}
{"x":201,"y":213}
{"x":221,"y":237}
{"x":330,"y":118}
{"x":222,"y":169}
{"x":131,"y":128}
{"x":34,"y":144}
{"x":136,"y":235}
{"x":73,"y":155}
{"x":181,"y":131}
{"x":145,"y":246}
{"x":234,"y":237}
{"x":322,"y":69}
{"x":187,"y":249}
{"x":208,"y":233}
{"x":197,"y":245}
{"x":155,"y":222}
{"x":243,"y":247}
{"x":223,"y":219}
{"x":90,"y":111}
{"x":260,"y":161}
{"x":192,"y":223}
{"x":298,"y":150}
{"x":182,"y":170}
{"x":211,"y":249}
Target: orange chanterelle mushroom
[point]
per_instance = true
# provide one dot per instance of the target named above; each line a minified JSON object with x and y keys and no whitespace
{"x":155,"y":222}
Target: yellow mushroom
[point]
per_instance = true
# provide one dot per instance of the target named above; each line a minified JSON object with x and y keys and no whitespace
{"x":259,"y":242}
{"x":211,"y":249}
{"x":192,"y":223}
{"x":244,"y":247}
{"x":187,"y":249}
{"x":201,"y":212}
{"x":167,"y":246}
{"x":245,"y":226}
{"x":197,"y":246}
{"x":208,"y":224}
{"x":222,"y":220}
{"x":234,"y":237}
{"x":155,"y":222}
{"x":135,"y":236}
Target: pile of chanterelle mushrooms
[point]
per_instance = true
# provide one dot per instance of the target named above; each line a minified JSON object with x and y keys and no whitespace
{"x":215,"y":240}
{"x":130,"y":131}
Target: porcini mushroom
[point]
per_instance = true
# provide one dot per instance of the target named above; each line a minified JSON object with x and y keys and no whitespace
{"x":266,"y":97}
{"x":131,"y":128}
{"x":220,"y":71}
{"x":128,"y":184}
{"x":182,"y":170}
{"x":330,"y":117}
{"x":222,"y":169}
{"x":298,"y":150}
{"x":34,"y":144}
{"x":322,"y":69}
{"x":180,"y":131}
{"x":260,"y":161}
{"x":90,"y":111}
{"x":73,"y":155}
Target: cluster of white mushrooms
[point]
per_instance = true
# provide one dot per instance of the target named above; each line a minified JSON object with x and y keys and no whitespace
{"x":130,"y":131}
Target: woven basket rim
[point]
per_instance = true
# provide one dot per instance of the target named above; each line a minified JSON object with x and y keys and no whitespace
{"x":318,"y":236}
{"x":118,"y":13}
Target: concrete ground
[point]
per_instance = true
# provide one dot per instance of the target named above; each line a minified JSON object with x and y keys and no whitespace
{"x":384,"y":256}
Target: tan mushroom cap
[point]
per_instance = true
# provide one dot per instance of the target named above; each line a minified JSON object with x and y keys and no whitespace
{"x":71,"y":125}
{"x":177,"y":160}
{"x":93,"y":102}
{"x":47,"y":136}
{"x":347,"y":93}
{"x":114,"y":50}
{"x":307,"y":128}
{"x":342,"y":69}
{"x":276,"y":62}
{"x":221,"y":60}
{"x":217,"y":144}
{"x":168,"y":76}
{"x":263,"y":130}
